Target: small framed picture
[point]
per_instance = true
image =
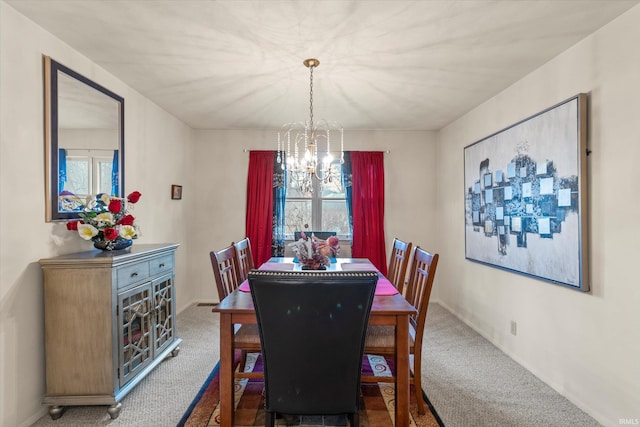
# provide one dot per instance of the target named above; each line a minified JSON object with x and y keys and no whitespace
{"x":176,"y":192}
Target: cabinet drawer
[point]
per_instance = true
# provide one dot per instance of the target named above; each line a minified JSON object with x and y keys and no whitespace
{"x":132,"y":274}
{"x":161,"y":265}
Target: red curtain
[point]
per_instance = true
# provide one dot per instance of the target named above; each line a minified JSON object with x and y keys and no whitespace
{"x":258,"y":225}
{"x":368,"y":207}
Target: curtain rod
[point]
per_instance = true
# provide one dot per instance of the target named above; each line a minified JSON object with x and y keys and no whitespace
{"x":246,"y":150}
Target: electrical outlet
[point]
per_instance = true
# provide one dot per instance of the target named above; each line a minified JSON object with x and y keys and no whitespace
{"x":514,"y":328}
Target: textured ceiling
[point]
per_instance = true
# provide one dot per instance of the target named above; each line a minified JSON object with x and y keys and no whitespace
{"x":401,"y":65}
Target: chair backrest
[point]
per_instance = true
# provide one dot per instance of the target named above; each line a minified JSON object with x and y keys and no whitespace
{"x":397,"y":271}
{"x":421,"y":276}
{"x":245,"y":257}
{"x":225,"y":270}
{"x":324,"y":235}
{"x":312,"y":328}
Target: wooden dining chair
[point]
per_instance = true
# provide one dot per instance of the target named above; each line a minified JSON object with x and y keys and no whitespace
{"x":245,"y":257}
{"x":397,"y":271}
{"x":227,"y":277}
{"x":380,"y":339}
{"x":225,"y":270}
{"x":312,"y":329}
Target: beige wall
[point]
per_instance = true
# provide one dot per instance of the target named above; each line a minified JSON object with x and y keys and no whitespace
{"x":221,"y":169}
{"x":584,"y":345}
{"x":158,"y":154}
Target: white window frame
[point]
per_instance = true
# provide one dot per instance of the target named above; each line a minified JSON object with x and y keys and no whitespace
{"x":93,"y":158}
{"x":316,"y":210}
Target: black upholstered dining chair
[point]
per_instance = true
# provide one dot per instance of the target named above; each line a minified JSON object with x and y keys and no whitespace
{"x":312,"y":328}
{"x":324,"y":235}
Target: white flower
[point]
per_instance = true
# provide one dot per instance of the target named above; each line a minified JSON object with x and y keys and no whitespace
{"x":87,"y":231}
{"x":128,"y":232}
{"x":104,"y":197}
{"x":106,"y":218}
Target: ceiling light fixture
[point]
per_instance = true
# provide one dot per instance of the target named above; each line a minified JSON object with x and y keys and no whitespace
{"x":302,"y":164}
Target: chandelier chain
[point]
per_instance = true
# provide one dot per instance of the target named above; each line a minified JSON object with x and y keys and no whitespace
{"x":311,"y":99}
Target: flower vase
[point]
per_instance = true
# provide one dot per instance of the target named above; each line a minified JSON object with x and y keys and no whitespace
{"x":312,"y":264}
{"x":112,"y":245}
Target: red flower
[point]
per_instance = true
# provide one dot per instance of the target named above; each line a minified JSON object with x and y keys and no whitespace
{"x":134,"y":197}
{"x":73,"y":225}
{"x":115,"y":205}
{"x":110,"y":233}
{"x":126,"y":220}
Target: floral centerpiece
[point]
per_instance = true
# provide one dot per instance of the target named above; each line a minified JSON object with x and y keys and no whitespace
{"x":105,"y":220}
{"x":313,"y":253}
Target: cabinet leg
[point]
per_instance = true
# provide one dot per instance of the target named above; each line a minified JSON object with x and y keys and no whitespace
{"x":56,"y":411}
{"x":175,"y":351}
{"x":114,"y":410}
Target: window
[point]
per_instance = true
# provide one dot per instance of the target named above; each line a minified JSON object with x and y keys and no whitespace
{"x":89,"y":172}
{"x":323,"y":209}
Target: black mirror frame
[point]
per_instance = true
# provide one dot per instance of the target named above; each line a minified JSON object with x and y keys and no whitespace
{"x":51,"y":69}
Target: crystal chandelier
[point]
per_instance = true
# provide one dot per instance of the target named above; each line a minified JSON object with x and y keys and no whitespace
{"x":302,"y":164}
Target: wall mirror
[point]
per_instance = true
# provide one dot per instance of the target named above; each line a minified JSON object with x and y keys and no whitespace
{"x":84,"y":140}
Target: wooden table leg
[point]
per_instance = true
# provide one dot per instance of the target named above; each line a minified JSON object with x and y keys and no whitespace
{"x":226,"y":370}
{"x":402,"y":371}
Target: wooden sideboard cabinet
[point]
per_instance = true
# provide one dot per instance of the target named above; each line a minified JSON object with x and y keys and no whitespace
{"x":109,"y":320}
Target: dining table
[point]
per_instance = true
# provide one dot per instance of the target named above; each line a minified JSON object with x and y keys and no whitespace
{"x":389,"y":308}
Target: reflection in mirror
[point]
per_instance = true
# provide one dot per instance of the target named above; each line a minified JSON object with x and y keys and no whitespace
{"x":84,"y":140}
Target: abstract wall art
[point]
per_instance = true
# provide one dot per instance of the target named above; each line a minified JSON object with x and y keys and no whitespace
{"x":525,"y":196}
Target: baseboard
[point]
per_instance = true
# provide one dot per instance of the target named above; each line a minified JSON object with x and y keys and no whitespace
{"x":199,"y":302}
{"x":35,"y":417}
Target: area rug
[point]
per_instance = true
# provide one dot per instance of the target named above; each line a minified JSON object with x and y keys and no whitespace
{"x":376,"y":407}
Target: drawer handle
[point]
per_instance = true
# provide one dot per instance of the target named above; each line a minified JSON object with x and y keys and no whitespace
{"x":134,"y":274}
{"x":162,"y":265}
